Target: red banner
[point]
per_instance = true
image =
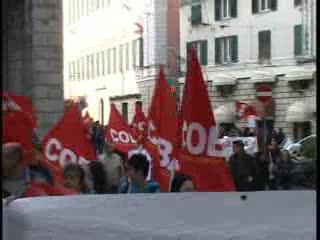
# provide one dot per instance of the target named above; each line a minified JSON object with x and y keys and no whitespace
{"x":67,"y":142}
{"x":139,"y":123}
{"x":199,"y":151}
{"x":17,"y":127}
{"x":118,"y":132}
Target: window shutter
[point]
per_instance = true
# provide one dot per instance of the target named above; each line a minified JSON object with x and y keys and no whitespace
{"x":264,"y":45}
{"x":298,"y":40}
{"x":234,"y":8}
{"x":273,"y":5}
{"x":234,"y":48}
{"x":141,"y":52}
{"x":268,"y":44}
{"x":217,"y":47}
{"x":254,"y":6}
{"x":189,"y":46}
{"x":204,"y":52}
{"x":196,"y":14}
{"x":217,"y":6}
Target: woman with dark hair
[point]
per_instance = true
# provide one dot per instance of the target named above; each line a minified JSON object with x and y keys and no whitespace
{"x":182,"y":183}
{"x":73,"y":176}
{"x":99,"y":177}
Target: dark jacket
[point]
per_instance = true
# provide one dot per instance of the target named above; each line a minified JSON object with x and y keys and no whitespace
{"x":242,"y":168}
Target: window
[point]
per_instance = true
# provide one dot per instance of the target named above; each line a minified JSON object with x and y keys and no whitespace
{"x":69,"y":71}
{"x":98,"y":64}
{"x":121,"y":58}
{"x":263,"y":5}
{"x":103,"y":64}
{"x":139,"y":103}
{"x":114,"y":60}
{"x":225,"y":9}
{"x":298,"y":40}
{"x":264,"y":38}
{"x":125,"y":111}
{"x":196,"y":11}
{"x":202,"y":49}
{"x":134,"y":54}
{"x":109,"y":61}
{"x":127,"y":56}
{"x":141,"y":52}
{"x":92,"y":72}
{"x":78,"y":70}
{"x":88,"y":67}
{"x":226,"y":50}
{"x":297,"y":3}
{"x":82,"y":68}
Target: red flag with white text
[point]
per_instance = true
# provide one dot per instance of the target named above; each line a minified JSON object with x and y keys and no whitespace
{"x":118,"y":132}
{"x":199,"y":152}
{"x":67,"y":143}
{"x":162,"y":124}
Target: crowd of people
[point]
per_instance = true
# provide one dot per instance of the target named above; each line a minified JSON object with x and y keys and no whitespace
{"x":114,"y":172}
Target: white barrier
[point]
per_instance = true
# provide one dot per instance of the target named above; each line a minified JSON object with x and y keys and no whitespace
{"x":264,"y":215}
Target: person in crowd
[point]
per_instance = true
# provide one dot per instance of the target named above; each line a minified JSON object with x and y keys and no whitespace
{"x":99,"y":177}
{"x":280,"y":136}
{"x":273,"y":156}
{"x":15,"y":176}
{"x":262,"y":178}
{"x":284,"y":168}
{"x":243,"y":168}
{"x":98,"y":137}
{"x":137,"y":168}
{"x":182,"y":183}
{"x":73,"y":176}
{"x":114,"y":167}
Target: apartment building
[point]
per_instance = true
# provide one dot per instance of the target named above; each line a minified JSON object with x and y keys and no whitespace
{"x":250,"y":48}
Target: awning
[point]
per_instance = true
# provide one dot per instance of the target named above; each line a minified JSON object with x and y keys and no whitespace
{"x":262,"y":77}
{"x":225,"y":113}
{"x":300,"y":111}
{"x":298,"y":75}
{"x":223,"y":80}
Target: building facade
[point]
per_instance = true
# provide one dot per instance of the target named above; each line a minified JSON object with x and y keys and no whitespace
{"x":245,"y":46}
{"x":103,"y":47}
{"x":32,"y":55}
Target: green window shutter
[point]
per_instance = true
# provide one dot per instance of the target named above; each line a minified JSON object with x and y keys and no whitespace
{"x":217,"y":47}
{"x":254,"y":6}
{"x":233,"y":8}
{"x":196,"y":12}
{"x":297,"y":40}
{"x":134,"y":53}
{"x":264,"y":45}
{"x":234,"y":48}
{"x":125,"y":111}
{"x":273,"y":5}
{"x":297,"y":3}
{"x":204,"y":52}
{"x":217,"y":7}
{"x":141,"y":52}
{"x":189,"y":46}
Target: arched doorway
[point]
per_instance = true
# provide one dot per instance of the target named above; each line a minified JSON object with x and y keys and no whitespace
{"x":101,"y":111}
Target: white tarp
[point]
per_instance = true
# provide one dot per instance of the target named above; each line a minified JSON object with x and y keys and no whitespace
{"x":264,"y":215}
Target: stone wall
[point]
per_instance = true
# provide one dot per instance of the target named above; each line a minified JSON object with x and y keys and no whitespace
{"x":33,"y":43}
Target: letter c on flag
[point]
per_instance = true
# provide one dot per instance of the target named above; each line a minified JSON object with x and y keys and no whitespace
{"x":51,"y":144}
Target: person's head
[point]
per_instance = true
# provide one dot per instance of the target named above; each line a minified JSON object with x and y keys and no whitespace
{"x":12,"y":155}
{"x":137,"y":167}
{"x":285,"y":156}
{"x":73,"y":176}
{"x":40,"y":174}
{"x":99,"y":177}
{"x":238,"y":147}
{"x":182,"y":183}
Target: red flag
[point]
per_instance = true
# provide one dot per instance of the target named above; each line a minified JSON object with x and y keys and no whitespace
{"x":118,"y":132}
{"x":87,"y":123}
{"x":245,"y":110}
{"x":67,"y":142}
{"x":160,"y":174}
{"x":20,"y":103}
{"x":162,"y":124}
{"x":17,"y":127}
{"x":199,"y":151}
{"x":139,"y":122}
